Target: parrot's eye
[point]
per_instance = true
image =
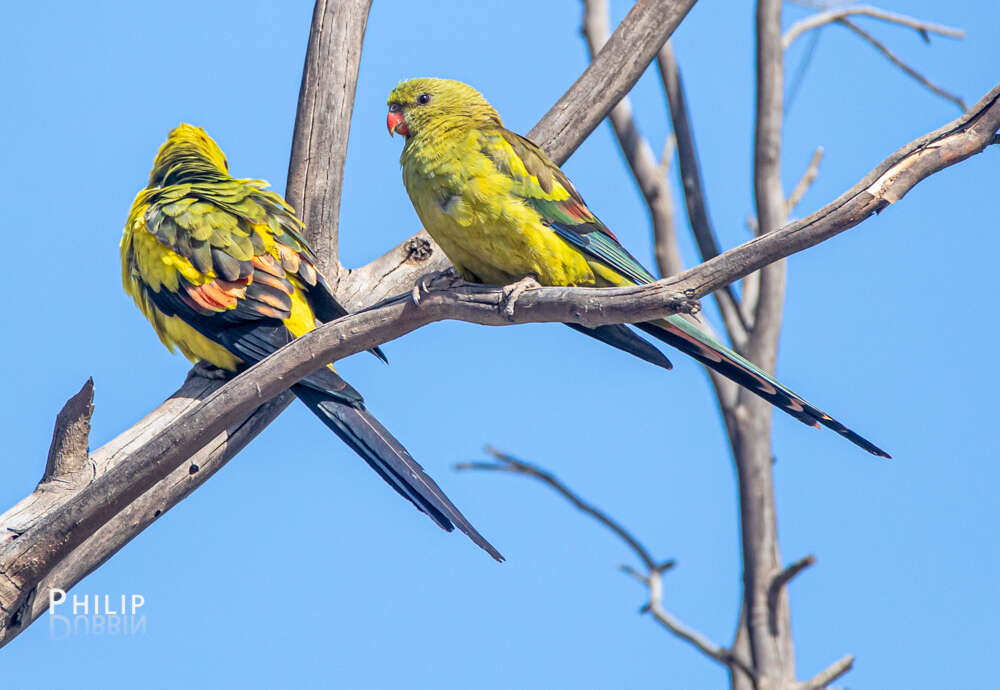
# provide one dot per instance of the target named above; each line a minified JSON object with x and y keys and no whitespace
{"x":424,"y":98}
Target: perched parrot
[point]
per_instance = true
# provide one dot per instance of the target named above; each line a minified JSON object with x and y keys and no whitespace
{"x":503,"y":211}
{"x":219,"y":267}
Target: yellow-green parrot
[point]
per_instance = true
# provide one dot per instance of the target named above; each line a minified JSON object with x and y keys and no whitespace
{"x":219,"y":267}
{"x":503,"y":211}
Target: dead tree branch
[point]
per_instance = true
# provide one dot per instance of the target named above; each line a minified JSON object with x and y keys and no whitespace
{"x":827,"y":676}
{"x":653,"y":578}
{"x":778,"y":584}
{"x":323,"y":123}
{"x":694,"y":192}
{"x":821,"y":19}
{"x":750,"y":430}
{"x":647,"y":172}
{"x":910,"y":71}
{"x":508,"y":463}
{"x":805,"y":182}
{"x":68,"y":453}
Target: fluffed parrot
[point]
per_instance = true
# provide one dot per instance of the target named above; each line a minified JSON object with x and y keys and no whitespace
{"x":502,"y":211}
{"x":219,"y":267}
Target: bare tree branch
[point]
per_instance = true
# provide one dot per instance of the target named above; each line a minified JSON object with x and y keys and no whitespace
{"x":884,"y":185}
{"x":827,"y":676}
{"x":750,"y":430}
{"x":808,"y":177}
{"x":68,"y":453}
{"x":778,"y":583}
{"x":821,"y":19}
{"x":626,"y":54}
{"x":508,"y":463}
{"x":653,"y":579}
{"x":694,"y":193}
{"x":323,"y":123}
{"x":891,"y":57}
{"x":648,"y":174}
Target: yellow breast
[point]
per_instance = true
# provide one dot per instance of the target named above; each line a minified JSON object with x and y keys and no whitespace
{"x":466,"y":205}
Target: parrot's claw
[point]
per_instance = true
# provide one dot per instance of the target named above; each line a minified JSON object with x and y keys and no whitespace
{"x":512,"y":292}
{"x":438,"y":280}
{"x":206,"y":370}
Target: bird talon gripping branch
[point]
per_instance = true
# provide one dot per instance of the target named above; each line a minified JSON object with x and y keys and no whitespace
{"x":207,"y":370}
{"x":513,"y":292}
{"x":438,"y":280}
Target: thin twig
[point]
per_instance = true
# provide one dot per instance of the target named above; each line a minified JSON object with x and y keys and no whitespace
{"x":891,"y":57}
{"x":778,"y":584}
{"x":694,"y":193}
{"x":507,"y":463}
{"x":808,"y":177}
{"x":653,"y":579}
{"x":648,"y":174}
{"x":799,"y":76}
{"x":816,"y":21}
{"x":703,"y":644}
{"x":625,"y":56}
{"x":828,"y":675}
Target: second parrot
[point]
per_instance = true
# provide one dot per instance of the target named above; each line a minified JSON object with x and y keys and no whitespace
{"x":503,"y":211}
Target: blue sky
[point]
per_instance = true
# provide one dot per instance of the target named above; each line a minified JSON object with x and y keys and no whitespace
{"x":296,"y":567}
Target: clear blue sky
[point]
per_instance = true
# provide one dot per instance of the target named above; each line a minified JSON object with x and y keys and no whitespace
{"x":296,"y":567}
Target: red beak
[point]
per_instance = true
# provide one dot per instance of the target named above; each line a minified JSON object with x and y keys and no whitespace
{"x":397,"y":124}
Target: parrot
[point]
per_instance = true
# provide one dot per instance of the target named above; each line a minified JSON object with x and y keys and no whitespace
{"x":504,"y":213}
{"x":219,"y":266}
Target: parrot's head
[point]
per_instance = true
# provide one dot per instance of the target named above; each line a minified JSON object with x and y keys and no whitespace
{"x":420,"y":105}
{"x":187,"y":151}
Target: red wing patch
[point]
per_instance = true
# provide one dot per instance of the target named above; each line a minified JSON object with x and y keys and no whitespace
{"x":216,"y":295}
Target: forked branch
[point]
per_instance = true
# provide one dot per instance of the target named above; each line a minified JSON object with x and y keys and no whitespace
{"x":652,"y":578}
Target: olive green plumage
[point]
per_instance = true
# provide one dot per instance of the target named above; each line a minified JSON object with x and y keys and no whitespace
{"x":219,"y":267}
{"x":502,"y":211}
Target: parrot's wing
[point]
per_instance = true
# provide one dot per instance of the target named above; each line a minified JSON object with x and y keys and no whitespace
{"x":229,"y":229}
{"x":544,"y":187}
{"x":244,"y":309}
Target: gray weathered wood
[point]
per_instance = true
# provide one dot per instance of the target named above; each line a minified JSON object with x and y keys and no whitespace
{"x":323,"y":123}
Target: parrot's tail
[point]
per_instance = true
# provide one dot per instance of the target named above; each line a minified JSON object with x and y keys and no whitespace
{"x":687,"y":338}
{"x":359,"y":429}
{"x":624,"y":339}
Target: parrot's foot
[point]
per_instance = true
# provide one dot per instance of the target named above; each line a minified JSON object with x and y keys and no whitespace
{"x":438,"y":280}
{"x":512,"y":292}
{"x":206,"y":370}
